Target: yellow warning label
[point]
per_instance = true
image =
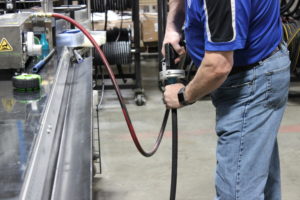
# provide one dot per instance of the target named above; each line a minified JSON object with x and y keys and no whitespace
{"x":8,"y":104}
{"x":5,"y":46}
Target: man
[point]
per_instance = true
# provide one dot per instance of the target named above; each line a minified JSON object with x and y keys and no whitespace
{"x":245,"y":67}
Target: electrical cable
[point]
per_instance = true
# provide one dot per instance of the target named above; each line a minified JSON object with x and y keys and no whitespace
{"x":106,"y":13}
{"x":117,"y":89}
{"x":102,"y":90}
{"x":292,"y":12}
{"x":297,"y":16}
{"x":98,"y":108}
{"x":287,"y":6}
{"x":285,"y":32}
{"x":121,"y":24}
{"x":290,"y":9}
{"x":93,"y":26}
{"x":293,"y":37}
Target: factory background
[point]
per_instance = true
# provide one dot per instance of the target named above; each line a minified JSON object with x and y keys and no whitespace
{"x":62,"y":130}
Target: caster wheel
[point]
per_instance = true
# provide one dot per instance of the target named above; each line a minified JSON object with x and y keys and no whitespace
{"x":140,"y":100}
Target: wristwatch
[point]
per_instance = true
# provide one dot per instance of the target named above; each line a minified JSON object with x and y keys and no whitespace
{"x":181,"y":98}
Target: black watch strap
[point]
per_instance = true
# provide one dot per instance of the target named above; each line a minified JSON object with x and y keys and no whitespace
{"x":181,"y":98}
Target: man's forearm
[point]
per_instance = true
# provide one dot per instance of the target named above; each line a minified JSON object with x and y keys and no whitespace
{"x":176,"y":15}
{"x":210,"y":76}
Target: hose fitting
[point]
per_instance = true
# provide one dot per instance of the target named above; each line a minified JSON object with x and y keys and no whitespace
{"x":47,"y":15}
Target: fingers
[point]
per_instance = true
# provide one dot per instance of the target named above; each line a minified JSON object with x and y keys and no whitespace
{"x":173,"y":38}
{"x":177,"y":60}
{"x":170,"y":98}
{"x":179,"y":49}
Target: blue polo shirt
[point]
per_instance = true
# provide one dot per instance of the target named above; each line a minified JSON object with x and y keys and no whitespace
{"x":250,"y":28}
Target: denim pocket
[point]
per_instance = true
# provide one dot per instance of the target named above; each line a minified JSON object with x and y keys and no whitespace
{"x":234,"y":89}
{"x":278,"y":82}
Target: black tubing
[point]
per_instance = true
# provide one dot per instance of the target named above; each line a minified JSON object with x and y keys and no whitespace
{"x":291,"y":13}
{"x":287,"y":6}
{"x":174,"y":155}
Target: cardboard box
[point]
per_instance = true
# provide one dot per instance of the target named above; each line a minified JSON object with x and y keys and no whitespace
{"x":149,"y":27}
{"x":148,"y":2}
{"x":114,"y":20}
{"x":148,"y":8}
{"x":99,"y":25}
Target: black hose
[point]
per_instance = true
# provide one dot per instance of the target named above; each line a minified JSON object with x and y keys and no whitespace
{"x":106,"y":16}
{"x":287,"y":6}
{"x":174,"y":155}
{"x":292,"y":12}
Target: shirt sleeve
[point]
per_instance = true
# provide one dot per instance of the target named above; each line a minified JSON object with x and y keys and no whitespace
{"x":226,"y":24}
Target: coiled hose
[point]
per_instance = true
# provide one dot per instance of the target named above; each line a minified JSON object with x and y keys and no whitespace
{"x":104,"y":5}
{"x":290,"y":8}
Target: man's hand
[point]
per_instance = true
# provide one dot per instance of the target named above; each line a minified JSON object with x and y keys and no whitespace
{"x":175,"y":20}
{"x":170,"y":95}
{"x":173,"y":37}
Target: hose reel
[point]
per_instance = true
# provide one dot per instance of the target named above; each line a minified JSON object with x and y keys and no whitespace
{"x":118,"y":34}
{"x":118,"y":53}
{"x":103,"y":5}
{"x":117,"y":48}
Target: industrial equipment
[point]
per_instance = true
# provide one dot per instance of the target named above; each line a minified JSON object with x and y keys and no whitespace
{"x":45,"y":135}
{"x":42,"y":129}
{"x":127,"y":51}
{"x":18,"y":35}
{"x":27,"y":82}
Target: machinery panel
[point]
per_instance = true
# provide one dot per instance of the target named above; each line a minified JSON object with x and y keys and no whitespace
{"x":12,"y":41}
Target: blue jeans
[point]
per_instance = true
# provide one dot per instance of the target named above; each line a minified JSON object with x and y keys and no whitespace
{"x":249,"y":109}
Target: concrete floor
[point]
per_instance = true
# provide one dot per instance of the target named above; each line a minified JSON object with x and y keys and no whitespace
{"x":126,"y":175}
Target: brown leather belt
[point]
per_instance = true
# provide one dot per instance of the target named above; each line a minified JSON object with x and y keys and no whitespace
{"x":238,"y":69}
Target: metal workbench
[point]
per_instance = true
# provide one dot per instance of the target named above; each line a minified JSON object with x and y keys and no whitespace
{"x":45,"y":136}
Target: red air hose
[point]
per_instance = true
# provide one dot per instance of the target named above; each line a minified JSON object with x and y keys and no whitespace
{"x":118,"y":91}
